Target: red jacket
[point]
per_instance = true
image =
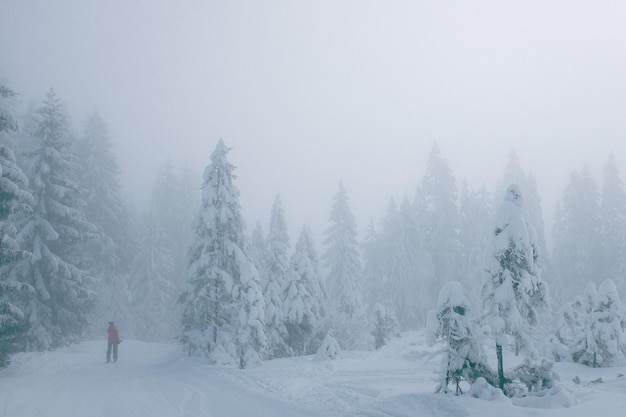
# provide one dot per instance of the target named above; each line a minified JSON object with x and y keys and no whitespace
{"x":114,"y":336}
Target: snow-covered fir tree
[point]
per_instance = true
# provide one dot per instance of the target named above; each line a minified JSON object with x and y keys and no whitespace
{"x":573,"y":326}
{"x":99,"y":174}
{"x":274,"y":280}
{"x":595,"y":325}
{"x":304,"y":298}
{"x":514,"y":296}
{"x":343,"y":282}
{"x":13,"y":184}
{"x":612,"y":228}
{"x":437,"y":208}
{"x":54,"y":231}
{"x":463,"y":358}
{"x":109,"y":255}
{"x":514,"y":174}
{"x":8,"y":121}
{"x":576,"y":253}
{"x":152,"y":291}
{"x":316,"y":284}
{"x":188,"y":196}
{"x":223,"y":303}
{"x":476,"y":218}
{"x":408,"y":267}
{"x":258,"y":246}
{"x":174,"y":199}
{"x":373,"y":266}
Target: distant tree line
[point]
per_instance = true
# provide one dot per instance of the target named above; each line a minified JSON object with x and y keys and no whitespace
{"x":75,"y":255}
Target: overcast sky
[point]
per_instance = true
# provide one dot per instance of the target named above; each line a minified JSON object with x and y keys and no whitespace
{"x":309,"y":93}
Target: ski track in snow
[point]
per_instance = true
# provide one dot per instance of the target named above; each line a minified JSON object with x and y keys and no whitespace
{"x":148,"y":380}
{"x":155,"y":380}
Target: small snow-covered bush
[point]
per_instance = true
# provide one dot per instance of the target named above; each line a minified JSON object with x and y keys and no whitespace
{"x":555,"y":397}
{"x":384,"y":325}
{"x":483,"y":390}
{"x":329,"y":349}
{"x":536,"y":377}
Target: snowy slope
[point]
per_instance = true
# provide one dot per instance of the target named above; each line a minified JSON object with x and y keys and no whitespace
{"x":159,"y":380}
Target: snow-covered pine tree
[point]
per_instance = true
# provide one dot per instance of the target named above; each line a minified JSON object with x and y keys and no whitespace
{"x":476,"y":217}
{"x":598,"y":333}
{"x":174,"y":197}
{"x":8,"y":121}
{"x":463,"y":358}
{"x":373,"y":266}
{"x":303,"y":301}
{"x":111,"y":251}
{"x":53,"y":232}
{"x":152,"y":291}
{"x":408,"y":266}
{"x":13,"y":184}
{"x":314,"y":275}
{"x":109,"y":255}
{"x":258,"y":247}
{"x":187,"y":195}
{"x":514,"y":174}
{"x":576,"y":248}
{"x":612,"y":228}
{"x":274,"y":281}
{"x":440,"y":219}
{"x":573,"y":328}
{"x":223,"y":302}
{"x":513,"y":294}
{"x":341,"y":259}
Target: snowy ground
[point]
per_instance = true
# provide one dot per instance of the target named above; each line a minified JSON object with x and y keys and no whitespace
{"x":156,"y":380}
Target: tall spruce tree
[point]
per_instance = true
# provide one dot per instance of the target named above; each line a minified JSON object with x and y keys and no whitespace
{"x":612,"y":228}
{"x":342,"y":262}
{"x":109,"y":255}
{"x":153,"y":295}
{"x":576,"y":252}
{"x":13,"y":184}
{"x":408,"y":267}
{"x":304,"y":297}
{"x":8,"y":121}
{"x":440,"y":219}
{"x":274,"y":279}
{"x":513,"y":294}
{"x":373,"y":266}
{"x":223,"y":302}
{"x":100,"y":177}
{"x":258,"y":247}
{"x":476,"y":218}
{"x":53,"y":231}
{"x":514,"y":174}
{"x":174,"y":195}
{"x":187,"y":195}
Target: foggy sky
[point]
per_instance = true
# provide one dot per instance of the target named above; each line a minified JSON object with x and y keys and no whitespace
{"x":311,"y":93}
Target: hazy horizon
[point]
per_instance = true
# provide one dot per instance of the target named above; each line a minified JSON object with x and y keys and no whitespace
{"x":312,"y":94}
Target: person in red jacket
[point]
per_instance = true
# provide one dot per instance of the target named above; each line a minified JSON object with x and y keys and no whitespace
{"x":114,"y":340}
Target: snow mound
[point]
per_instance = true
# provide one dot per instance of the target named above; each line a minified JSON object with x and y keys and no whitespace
{"x":329,"y":349}
{"x":556,"y":397}
{"x":482,"y":390}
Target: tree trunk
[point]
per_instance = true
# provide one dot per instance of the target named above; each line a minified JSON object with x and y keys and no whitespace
{"x":500,"y":367}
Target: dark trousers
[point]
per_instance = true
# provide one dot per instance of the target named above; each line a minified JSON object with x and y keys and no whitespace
{"x":112,"y":346}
